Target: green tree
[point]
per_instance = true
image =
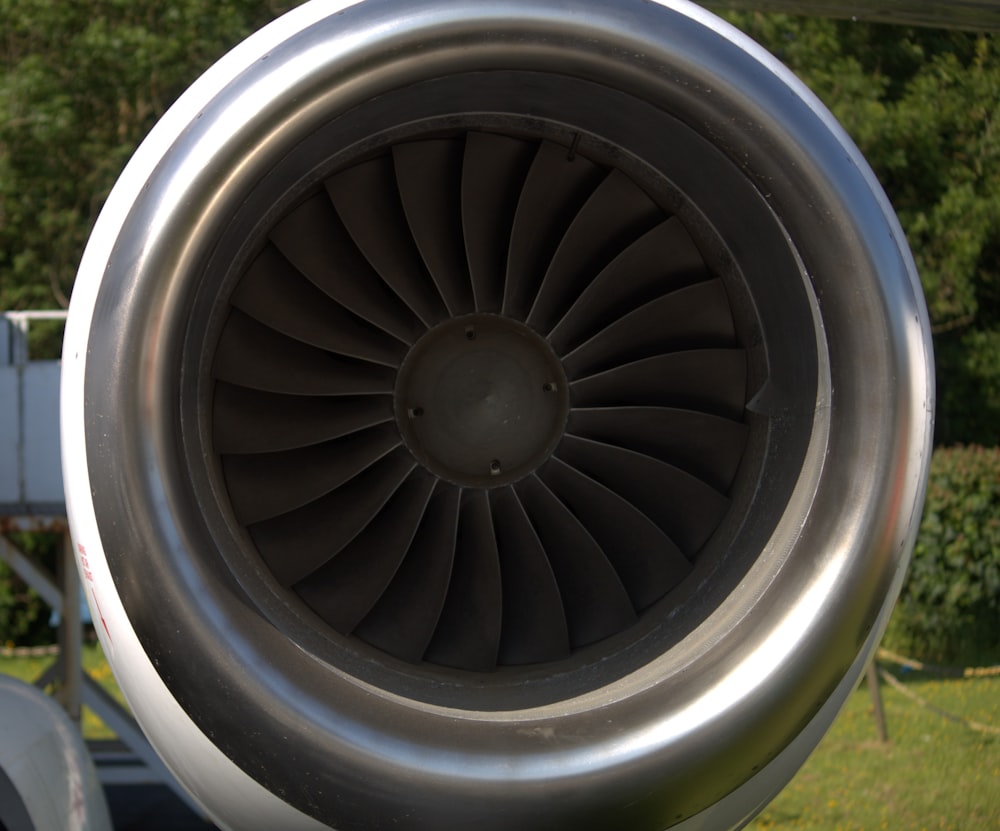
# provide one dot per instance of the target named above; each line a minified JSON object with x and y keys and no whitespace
{"x":24,"y":616}
{"x":923,"y":106}
{"x":80,"y":85}
{"x":949,"y":610}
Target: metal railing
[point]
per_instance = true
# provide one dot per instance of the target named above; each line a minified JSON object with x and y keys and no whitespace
{"x":15,"y":345}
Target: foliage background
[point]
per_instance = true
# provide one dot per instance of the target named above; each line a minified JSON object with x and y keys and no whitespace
{"x":82,"y":82}
{"x":24,"y":616}
{"x":950,"y":610}
{"x":923,"y":107}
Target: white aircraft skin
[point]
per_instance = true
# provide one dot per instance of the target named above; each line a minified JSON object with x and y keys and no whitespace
{"x":44,"y":759}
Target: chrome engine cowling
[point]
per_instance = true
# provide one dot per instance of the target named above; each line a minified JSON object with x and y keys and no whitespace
{"x":494,"y":414}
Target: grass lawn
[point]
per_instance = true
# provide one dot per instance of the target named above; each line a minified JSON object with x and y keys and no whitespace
{"x":933,"y":775}
{"x":28,"y":669}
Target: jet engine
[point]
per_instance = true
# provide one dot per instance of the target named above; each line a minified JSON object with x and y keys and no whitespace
{"x":494,"y":415}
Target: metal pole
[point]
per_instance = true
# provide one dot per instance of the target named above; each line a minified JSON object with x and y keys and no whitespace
{"x":875,"y":691}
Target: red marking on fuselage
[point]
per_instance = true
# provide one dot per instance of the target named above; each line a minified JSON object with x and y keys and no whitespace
{"x":100,"y":614}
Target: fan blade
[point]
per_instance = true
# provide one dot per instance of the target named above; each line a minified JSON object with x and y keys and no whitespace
{"x":403,"y":621}
{"x":248,"y":421}
{"x":686,"y":509}
{"x":557,"y":185}
{"x":468,"y":631}
{"x":648,"y":563}
{"x":429,"y":174}
{"x":367,"y":199}
{"x":710,"y":380}
{"x":596,"y":603}
{"x":250,"y":354}
{"x":344,"y":590}
{"x":695,"y":317}
{"x":493,"y":173}
{"x":704,"y":445}
{"x":615,"y":216}
{"x":262,"y":486}
{"x":314,"y":240}
{"x":274,"y":293}
{"x":534,"y":623}
{"x":661,"y":261}
{"x":294,"y":545}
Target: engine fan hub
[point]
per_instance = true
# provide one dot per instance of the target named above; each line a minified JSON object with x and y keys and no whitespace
{"x":481,"y":400}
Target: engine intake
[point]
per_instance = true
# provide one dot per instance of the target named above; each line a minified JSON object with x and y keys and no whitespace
{"x":493,"y":414}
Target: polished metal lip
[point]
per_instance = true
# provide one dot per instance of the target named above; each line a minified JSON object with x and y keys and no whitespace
{"x":719,"y":704}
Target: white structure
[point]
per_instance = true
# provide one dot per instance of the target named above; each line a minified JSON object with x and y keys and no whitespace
{"x":47,"y":779}
{"x":30,"y":473}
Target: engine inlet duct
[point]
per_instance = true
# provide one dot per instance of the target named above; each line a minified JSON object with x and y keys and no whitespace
{"x":490,"y":415}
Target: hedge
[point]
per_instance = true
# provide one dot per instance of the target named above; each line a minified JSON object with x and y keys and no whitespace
{"x":24,"y":616}
{"x":949,"y":609}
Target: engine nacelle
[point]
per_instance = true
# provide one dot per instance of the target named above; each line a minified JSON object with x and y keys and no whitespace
{"x":494,"y":415}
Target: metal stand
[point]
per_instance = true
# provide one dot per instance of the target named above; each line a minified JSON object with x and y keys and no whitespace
{"x":32,"y":501}
{"x":875,"y":691}
{"x":129,"y":760}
